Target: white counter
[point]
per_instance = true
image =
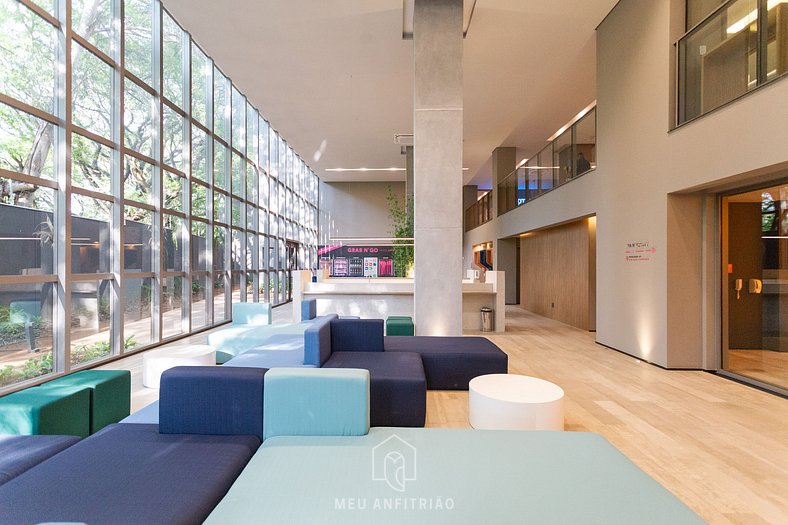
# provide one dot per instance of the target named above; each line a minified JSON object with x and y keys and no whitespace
{"x":379,"y":298}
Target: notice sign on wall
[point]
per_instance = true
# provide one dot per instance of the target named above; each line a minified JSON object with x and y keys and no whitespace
{"x":639,"y":251}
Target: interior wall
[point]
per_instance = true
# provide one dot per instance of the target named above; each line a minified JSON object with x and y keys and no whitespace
{"x":642,"y":307}
{"x":356,"y":209}
{"x":554,"y":273}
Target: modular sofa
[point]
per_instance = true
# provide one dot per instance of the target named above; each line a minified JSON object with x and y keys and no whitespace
{"x":175,"y":472}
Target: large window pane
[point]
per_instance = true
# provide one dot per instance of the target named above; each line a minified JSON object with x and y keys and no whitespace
{"x":174,"y":191}
{"x":201,"y":85}
{"x":27,"y":234}
{"x":91,"y":314}
{"x":263,"y":132}
{"x":138,"y":121}
{"x":251,"y":183}
{"x":220,"y":179}
{"x":92,"y":20}
{"x":220,"y":207}
{"x":199,"y":200}
{"x":251,"y":133}
{"x":219,"y":248}
{"x":221,"y":104}
{"x":138,"y":40}
{"x":137,"y":239}
{"x":91,"y":242}
{"x":137,"y":313}
{"x":719,"y":60}
{"x":172,"y":307}
{"x":25,"y":331}
{"x":25,"y":145}
{"x":174,"y":129}
{"x":199,"y":153}
{"x":173,"y":60}
{"x":238,"y":213}
{"x":173,"y":243}
{"x":92,"y":92}
{"x":28,"y":58}
{"x":237,"y":250}
{"x":219,"y":298}
{"x":91,"y":164}
{"x":138,"y":180}
{"x":199,"y":306}
{"x":238,"y":171}
{"x":239,"y":120}
{"x":199,"y":246}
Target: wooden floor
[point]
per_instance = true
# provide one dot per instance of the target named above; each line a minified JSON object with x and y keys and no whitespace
{"x":767,"y":366}
{"x":720,"y":446}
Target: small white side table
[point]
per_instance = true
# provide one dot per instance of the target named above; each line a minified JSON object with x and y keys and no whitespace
{"x":155,"y":362}
{"x":515,"y":402}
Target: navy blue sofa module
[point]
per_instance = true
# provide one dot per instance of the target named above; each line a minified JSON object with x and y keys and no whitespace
{"x":21,"y":453}
{"x":356,"y":335}
{"x":397,"y":390}
{"x":219,"y":400}
{"x":129,"y":474}
{"x":451,"y":362}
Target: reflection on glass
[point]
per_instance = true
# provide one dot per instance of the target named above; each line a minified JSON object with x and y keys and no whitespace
{"x":172,"y":322}
{"x":137,"y":312}
{"x":91,"y":244}
{"x":173,"y":243}
{"x":199,"y":306}
{"x":28,"y":234}
{"x":91,"y":314}
{"x":219,"y":298}
{"x":91,"y":100}
{"x":25,"y":331}
{"x":137,"y":239}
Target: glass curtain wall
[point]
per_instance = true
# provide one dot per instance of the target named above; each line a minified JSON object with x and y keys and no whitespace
{"x":140,"y":190}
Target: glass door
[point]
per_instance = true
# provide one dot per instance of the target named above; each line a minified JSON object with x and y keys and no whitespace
{"x":292,"y":264}
{"x":755,"y":285}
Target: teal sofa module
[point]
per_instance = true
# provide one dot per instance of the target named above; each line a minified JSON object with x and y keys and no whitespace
{"x":40,"y":410}
{"x":254,"y":314}
{"x":399,"y":325}
{"x":110,"y":394}
{"x":234,"y":340}
{"x":415,"y":476}
{"x":316,"y":402}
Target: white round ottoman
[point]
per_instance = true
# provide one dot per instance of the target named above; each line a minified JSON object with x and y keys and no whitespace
{"x":155,"y":362}
{"x":515,"y":402}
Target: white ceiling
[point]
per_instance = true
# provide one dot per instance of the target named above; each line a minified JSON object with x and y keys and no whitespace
{"x":335,"y":76}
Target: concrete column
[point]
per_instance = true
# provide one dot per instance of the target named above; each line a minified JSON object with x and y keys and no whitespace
{"x":437,"y":162}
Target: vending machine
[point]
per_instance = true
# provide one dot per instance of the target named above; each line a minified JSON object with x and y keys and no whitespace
{"x":370,"y":266}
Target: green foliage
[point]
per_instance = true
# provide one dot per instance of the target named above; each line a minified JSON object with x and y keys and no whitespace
{"x":402,"y":221}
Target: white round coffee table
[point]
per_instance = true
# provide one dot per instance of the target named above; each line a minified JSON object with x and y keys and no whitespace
{"x":155,"y":362}
{"x":515,"y":402}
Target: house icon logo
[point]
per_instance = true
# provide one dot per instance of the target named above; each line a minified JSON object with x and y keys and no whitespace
{"x":394,"y":461}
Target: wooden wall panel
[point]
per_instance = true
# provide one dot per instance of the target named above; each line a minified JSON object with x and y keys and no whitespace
{"x":557,"y":273}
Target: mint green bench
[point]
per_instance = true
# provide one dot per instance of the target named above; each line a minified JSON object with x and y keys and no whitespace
{"x":110,"y":394}
{"x":40,"y":410}
{"x":399,"y":325}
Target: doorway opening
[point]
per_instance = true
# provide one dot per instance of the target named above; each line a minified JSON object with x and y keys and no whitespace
{"x":755,"y":286}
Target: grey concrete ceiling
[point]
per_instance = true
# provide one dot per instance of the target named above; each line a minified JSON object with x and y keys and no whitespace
{"x":335,"y":77}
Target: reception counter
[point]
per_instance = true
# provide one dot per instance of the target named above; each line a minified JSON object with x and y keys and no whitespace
{"x":379,"y":298}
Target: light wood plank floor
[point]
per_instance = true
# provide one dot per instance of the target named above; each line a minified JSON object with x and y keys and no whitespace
{"x":720,"y":446}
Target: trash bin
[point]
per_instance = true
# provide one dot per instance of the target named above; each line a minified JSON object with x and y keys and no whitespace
{"x":488,"y":317}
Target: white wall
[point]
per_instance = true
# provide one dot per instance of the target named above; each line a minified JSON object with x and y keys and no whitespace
{"x":356,"y":209}
{"x":640,"y":162}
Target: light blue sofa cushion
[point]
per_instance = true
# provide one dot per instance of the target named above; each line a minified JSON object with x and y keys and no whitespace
{"x":237,"y":339}
{"x":317,"y":340}
{"x":316,"y":402}
{"x":448,"y":476}
{"x":308,"y":309}
{"x":252,"y":313}
{"x":279,"y":350}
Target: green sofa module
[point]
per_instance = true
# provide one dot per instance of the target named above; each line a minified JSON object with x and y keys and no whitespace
{"x":399,"y":325}
{"x":110,"y":394}
{"x":40,"y":410}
